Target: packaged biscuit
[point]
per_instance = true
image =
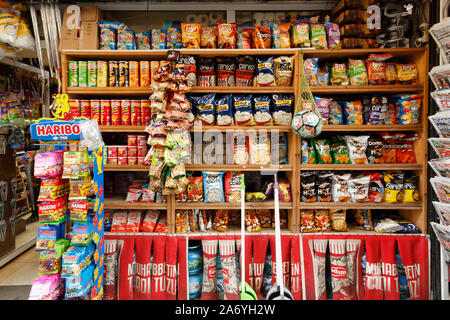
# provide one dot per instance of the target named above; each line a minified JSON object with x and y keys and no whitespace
{"x":190,"y":35}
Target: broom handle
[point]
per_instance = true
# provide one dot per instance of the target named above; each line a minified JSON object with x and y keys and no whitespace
{"x":242,"y":233}
{"x":279,"y":269}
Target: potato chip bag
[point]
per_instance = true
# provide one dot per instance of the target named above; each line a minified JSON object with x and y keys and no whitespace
{"x":391,"y":73}
{"x":324,"y":181}
{"x":410,"y":192}
{"x":405,"y":149}
{"x":407,"y":73}
{"x":393,"y":191}
{"x":376,"y":72}
{"x":285,"y":38}
{"x":359,"y":189}
{"x":318,"y":36}
{"x":190,"y":35}
{"x":322,"y":220}
{"x":339,"y":151}
{"x":226,"y":35}
{"x":357,"y":72}
{"x":300,"y":35}
{"x":308,"y":153}
{"x":340,"y":188}
{"x":375,"y":149}
{"x":208,"y":37}
{"x":336,"y":116}
{"x":311,"y":70}
{"x":339,"y":74}
{"x":323,"y":150}
{"x":353,"y":112}
{"x":357,"y":146}
{"x":363,"y":219}
{"x":307,"y":222}
{"x":338,"y":220}
{"x":308,"y":187}
{"x":262,"y":37}
{"x":389,"y":147}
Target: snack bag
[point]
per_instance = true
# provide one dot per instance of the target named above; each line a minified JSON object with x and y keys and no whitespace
{"x":375,"y":110}
{"x":357,"y":72}
{"x":226,"y":38}
{"x":243,"y":110}
{"x":259,"y":148}
{"x":245,"y":39}
{"x":407,"y":73}
{"x":340,"y":188}
{"x":206,"y":74}
{"x":225,"y":72}
{"x":265,"y":74}
{"x":282,"y":104}
{"x":300,"y":35}
{"x":336,"y":116}
{"x":357,"y":147}
{"x":133,"y":221}
{"x":393,"y":191}
{"x":150,"y":220}
{"x":376,"y":187}
{"x":240,"y":148}
{"x":221,"y":221}
{"x":245,"y":71}
{"x":410,"y":192}
{"x":308,"y":153}
{"x":339,"y":74}
{"x":405,"y":149}
{"x":251,"y":221}
{"x":311,"y":70}
{"x":375,"y":149}
{"x":322,"y":220}
{"x":323,"y":150}
{"x":213,"y":186}
{"x":262,"y":37}
{"x":318,"y":36}
{"x":376,"y":72}
{"x":233,"y":187}
{"x":389,"y":147}
{"x":363,"y":219}
{"x":324,"y":181}
{"x":338,"y":220}
{"x":262,"y":110}
{"x":119,"y":221}
{"x":76,"y":164}
{"x":79,"y":210}
{"x":208,"y":37}
{"x":181,"y":221}
{"x":333,"y":35}
{"x":264,"y":218}
{"x":323,"y":104}
{"x":280,"y":35}
{"x":48,"y":164}
{"x":190,"y":35}
{"x":339,"y":151}
{"x":307,"y":221}
{"x":323,"y":76}
{"x":308,"y":187}
{"x":204,"y":108}
{"x":224,"y":110}
{"x":391,"y":73}
{"x":283,"y":70}
{"x":359,"y":189}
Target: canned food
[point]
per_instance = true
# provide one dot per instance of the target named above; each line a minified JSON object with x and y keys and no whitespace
{"x":82,"y":74}
{"x":141,"y":141}
{"x":115,"y":112}
{"x":126,"y":112}
{"x":141,"y":151}
{"x":74,"y":105}
{"x":145,"y":112}
{"x":73,"y":73}
{"x":132,"y":152}
{"x":122,"y":160}
{"x":122,"y":151}
{"x":105,"y":112}
{"x":113,"y":80}
{"x":95,"y":110}
{"x":112,"y":160}
{"x":154,"y":66}
{"x":92,"y":73}
{"x":133,"y":67}
{"x":102,"y":74}
{"x":105,"y":154}
{"x":123,"y":74}
{"x":135,"y":112}
{"x":132,"y":161}
{"x":112,"y":152}
{"x":85,"y":108}
{"x":144,"y":73}
{"x":132,"y":140}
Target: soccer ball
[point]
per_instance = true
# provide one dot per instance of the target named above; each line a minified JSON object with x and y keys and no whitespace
{"x":307,"y":124}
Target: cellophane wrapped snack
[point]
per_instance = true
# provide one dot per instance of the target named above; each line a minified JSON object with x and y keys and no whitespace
{"x":48,"y":164}
{"x":226,"y":35}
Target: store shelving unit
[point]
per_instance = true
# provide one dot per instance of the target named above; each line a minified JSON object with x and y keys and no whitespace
{"x":416,"y":212}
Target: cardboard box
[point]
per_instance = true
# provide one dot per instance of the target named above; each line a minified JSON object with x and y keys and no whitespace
{"x":85,"y":37}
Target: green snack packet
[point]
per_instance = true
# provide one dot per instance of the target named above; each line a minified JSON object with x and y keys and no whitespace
{"x":308,"y":153}
{"x":357,"y":72}
{"x":323,"y":150}
{"x":339,"y":152}
{"x":318,"y":36}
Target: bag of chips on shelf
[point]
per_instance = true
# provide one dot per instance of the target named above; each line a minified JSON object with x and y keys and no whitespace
{"x":375,"y":149}
{"x":333,"y":35}
{"x":224,"y":110}
{"x":282,"y":108}
{"x":244,"y":38}
{"x":363,"y":219}
{"x":323,"y":104}
{"x":213,"y":186}
{"x":376,"y":72}
{"x":405,"y":148}
{"x":208,"y":37}
{"x":243,"y":109}
{"x":340,"y":188}
{"x":376,"y":187}
{"x":318,"y":36}
{"x":311,"y":70}
{"x":393,"y":191}
{"x":410,"y":191}
{"x":245,"y":71}
{"x":190,"y":35}
{"x":322,"y":220}
{"x":407,"y":73}
{"x":226,"y":35}
{"x":150,"y":220}
{"x":194,"y":189}
{"x":262,"y":37}
{"x":339,"y":151}
{"x":323,"y":150}
{"x":225,"y":71}
{"x":359,"y":189}
{"x":308,"y":152}
{"x":251,"y":221}
{"x":308,"y":187}
{"x":300,"y":35}
{"x":336,"y":116}
{"x":339,"y":74}
{"x":206,"y":74}
{"x":265,"y":74}
{"x":353,"y":112}
{"x":240,"y":148}
{"x":357,"y":146}
{"x":338,"y":220}
{"x":323,"y":76}
{"x":133,"y":221}
{"x":391,"y":74}
{"x":221,"y":221}
{"x":283,"y":68}
{"x":280,"y":35}
{"x":307,"y":221}
{"x":161,"y":226}
{"x":204,"y":108}
{"x":262,"y":105}
{"x":259,"y":148}
{"x":357,"y":72}
{"x":181,"y":221}
{"x":233,"y":187}
{"x":119,"y":221}
{"x":324,"y":181}
{"x":389,"y":147}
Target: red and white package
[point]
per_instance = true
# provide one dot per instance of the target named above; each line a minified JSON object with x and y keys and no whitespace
{"x":148,"y":195}
{"x":320,"y":249}
{"x":109,"y":270}
{"x":228,"y":261}
{"x":171,"y":268}
{"x":134,"y":193}
{"x":354,"y":275}
{"x":150,"y":220}
{"x":389,"y":268}
{"x":119,"y":222}
{"x":285,"y":258}
{"x":182,"y":267}
{"x":143,"y":267}
{"x":373,"y":279}
{"x":161,"y":226}
{"x":158,"y":286}
{"x":260,"y":245}
{"x":133,"y":221}
{"x":339,"y":278}
{"x":125,"y":268}
{"x":296,"y":275}
{"x":209,"y":282}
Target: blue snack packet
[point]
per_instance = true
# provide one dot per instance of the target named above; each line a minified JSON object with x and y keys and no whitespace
{"x":262,"y":105}
{"x":243,"y":109}
{"x":224,"y":110}
{"x":213,"y":186}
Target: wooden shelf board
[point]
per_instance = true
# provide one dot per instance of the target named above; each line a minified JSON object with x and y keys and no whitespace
{"x":365,"y":89}
{"x":122,"y":129}
{"x":125,"y":167}
{"x":365,"y":127}
{"x":233,"y":167}
{"x":385,"y":166}
{"x":226,"y":205}
{"x":349,"y":53}
{"x":110,"y":91}
{"x":118,"y":202}
{"x":198,"y":89}
{"x":233,"y":230}
{"x":243,"y":128}
{"x":365,"y":205}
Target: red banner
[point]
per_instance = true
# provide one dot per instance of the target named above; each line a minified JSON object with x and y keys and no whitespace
{"x":228,"y":261}
{"x":373,"y":276}
{"x":296,"y":274}
{"x":158,"y":286}
{"x":209,"y":282}
{"x":143,"y":276}
{"x":285,"y":259}
{"x":260,"y":245}
{"x":182,"y":268}
{"x":389,"y":268}
{"x":171,"y":268}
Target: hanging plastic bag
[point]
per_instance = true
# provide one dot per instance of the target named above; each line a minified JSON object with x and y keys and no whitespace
{"x":24,"y":38}
{"x":9,"y":24}
{"x":91,"y":136}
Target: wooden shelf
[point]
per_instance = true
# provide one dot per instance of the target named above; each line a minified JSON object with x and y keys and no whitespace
{"x":354,"y":53}
{"x":365,"y":89}
{"x":365,"y":205}
{"x":234,"y":167}
{"x":242,"y":128}
{"x":230,"y":206}
{"x":365,"y":127}
{"x":118,"y":202}
{"x":122,"y":129}
{"x":198,"y":89}
{"x":384,"y":166}
{"x":125,"y":167}
{"x":110,"y":91}
{"x":233,"y":230}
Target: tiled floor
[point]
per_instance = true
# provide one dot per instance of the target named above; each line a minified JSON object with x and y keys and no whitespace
{"x":20,"y":271}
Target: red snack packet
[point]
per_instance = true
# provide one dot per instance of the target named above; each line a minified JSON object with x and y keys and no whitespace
{"x":405,"y":149}
{"x":161,"y":226}
{"x":133,"y":221}
{"x":119,"y":221}
{"x":247,"y":39}
{"x":209,"y":282}
{"x":142,"y":279}
{"x":158,"y":284}
{"x":376,"y":72}
{"x":226,"y":38}
{"x":150,"y":220}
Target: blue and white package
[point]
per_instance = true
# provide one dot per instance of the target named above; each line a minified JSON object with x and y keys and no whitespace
{"x":262,"y":105}
{"x":204,"y":108}
{"x":243,"y":109}
{"x":47,"y":236}
{"x":224,"y":110}
{"x":213,"y":186}
{"x":82,"y":232}
{"x":158,"y":39}
{"x":107,"y":38}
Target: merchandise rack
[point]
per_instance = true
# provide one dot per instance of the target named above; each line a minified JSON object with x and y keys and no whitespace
{"x":416,"y":212}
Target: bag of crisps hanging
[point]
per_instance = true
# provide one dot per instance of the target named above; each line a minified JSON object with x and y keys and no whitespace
{"x":226,"y":35}
{"x":190,"y":35}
